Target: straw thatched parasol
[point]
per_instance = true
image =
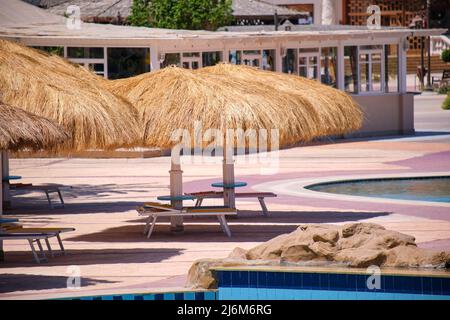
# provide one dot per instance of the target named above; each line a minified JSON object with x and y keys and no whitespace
{"x":239,"y":97}
{"x":67,"y":94}
{"x":21,"y":129}
{"x":235,"y":97}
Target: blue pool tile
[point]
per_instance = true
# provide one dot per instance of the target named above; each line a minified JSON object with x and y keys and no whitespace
{"x":271,"y":280}
{"x":243,"y":279}
{"x":279,"y":279}
{"x":308,"y":281}
{"x":159,"y":296}
{"x":253,"y":279}
{"x":387,"y":283}
{"x":262,"y":279}
{"x":169,"y":296}
{"x":117,"y":298}
{"x":149,"y":297}
{"x":199,"y":296}
{"x":288,"y":280}
{"x":427,"y":287}
{"x":189,"y":296}
{"x":107,"y":298}
{"x":324,"y":281}
{"x":446,"y":286}
{"x":226,"y":279}
{"x":179,"y":296}
{"x":128,"y":297}
{"x":210,"y":295}
{"x":297,"y":280}
{"x":436,"y":285}
{"x":337,"y":281}
{"x":139,"y":297}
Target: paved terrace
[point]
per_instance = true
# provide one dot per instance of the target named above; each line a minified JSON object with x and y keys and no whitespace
{"x":114,"y":256}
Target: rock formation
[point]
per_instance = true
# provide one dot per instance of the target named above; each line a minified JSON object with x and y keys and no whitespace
{"x":357,"y":245}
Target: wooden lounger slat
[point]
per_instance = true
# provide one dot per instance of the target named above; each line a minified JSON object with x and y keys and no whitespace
{"x":201,"y":195}
{"x":149,"y":210}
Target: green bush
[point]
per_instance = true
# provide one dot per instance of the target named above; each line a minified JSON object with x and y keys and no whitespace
{"x":445,"y":55}
{"x":446,"y":104}
{"x":443,"y":89}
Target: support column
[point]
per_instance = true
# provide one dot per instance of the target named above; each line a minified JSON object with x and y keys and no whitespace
{"x":226,"y":55}
{"x":279,"y":59}
{"x":228,"y":179}
{"x":176,"y":190}
{"x":402,"y":71}
{"x":154,"y":59}
{"x":5,"y":183}
{"x":340,"y":68}
{"x":2,"y":255}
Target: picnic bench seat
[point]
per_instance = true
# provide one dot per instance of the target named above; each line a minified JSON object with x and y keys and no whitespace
{"x":200,"y":196}
{"x":443,"y":79}
{"x":153,"y":210}
{"x":47,"y":189}
{"x":15,"y":231}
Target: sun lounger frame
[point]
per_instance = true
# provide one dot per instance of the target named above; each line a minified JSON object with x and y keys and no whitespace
{"x":200,"y":196}
{"x":47,"y":189}
{"x":155,"y":210}
{"x":35,"y":235}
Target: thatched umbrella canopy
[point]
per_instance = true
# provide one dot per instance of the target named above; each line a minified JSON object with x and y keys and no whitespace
{"x":21,"y":129}
{"x":68,"y":94}
{"x":235,"y":97}
{"x":334,"y":112}
{"x":239,"y":97}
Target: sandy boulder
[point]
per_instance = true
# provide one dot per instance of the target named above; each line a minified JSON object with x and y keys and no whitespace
{"x":354,"y":245}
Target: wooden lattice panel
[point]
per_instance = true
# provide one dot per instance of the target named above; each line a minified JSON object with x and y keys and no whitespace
{"x":392,"y":14}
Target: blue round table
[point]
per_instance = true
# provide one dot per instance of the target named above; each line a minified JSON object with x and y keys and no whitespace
{"x":175,"y":198}
{"x":7,"y":178}
{"x":237,"y":184}
{"x":8,"y":220}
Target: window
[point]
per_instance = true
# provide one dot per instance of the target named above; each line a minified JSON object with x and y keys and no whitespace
{"x":127,"y":62}
{"x":308,"y":63}
{"x":391,"y":68}
{"x":263,"y":59}
{"x":328,"y":66}
{"x":290,"y":61}
{"x":191,"y":60}
{"x":59,"y":51}
{"x":85,"y":53}
{"x":171,"y":59}
{"x":268,"y":60}
{"x":351,"y":69}
{"x":370,"y":66}
{"x":211,"y":58}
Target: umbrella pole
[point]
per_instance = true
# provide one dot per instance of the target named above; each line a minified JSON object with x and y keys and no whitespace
{"x":2,"y":255}
{"x":228,"y":177}
{"x":5,"y":183}
{"x":176,"y":190}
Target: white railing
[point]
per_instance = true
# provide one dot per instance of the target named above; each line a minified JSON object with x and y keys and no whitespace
{"x":439,"y":44}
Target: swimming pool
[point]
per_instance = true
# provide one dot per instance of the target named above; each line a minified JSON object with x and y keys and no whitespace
{"x":435,"y":189}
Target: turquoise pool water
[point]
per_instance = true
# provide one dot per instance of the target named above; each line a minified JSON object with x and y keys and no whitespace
{"x":436,"y":189}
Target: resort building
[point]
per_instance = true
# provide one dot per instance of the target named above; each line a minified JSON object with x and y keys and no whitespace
{"x":117,"y":11}
{"x":369,"y":64}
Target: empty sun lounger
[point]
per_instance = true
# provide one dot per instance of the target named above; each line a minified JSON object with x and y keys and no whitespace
{"x":32,"y":238}
{"x":153,"y":210}
{"x":34,"y":235}
{"x":219,"y":194}
{"x":48,"y":189}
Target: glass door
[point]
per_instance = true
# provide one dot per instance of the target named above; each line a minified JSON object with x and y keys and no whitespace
{"x":371,"y":68}
{"x":309,"y":63}
{"x":191,"y":60}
